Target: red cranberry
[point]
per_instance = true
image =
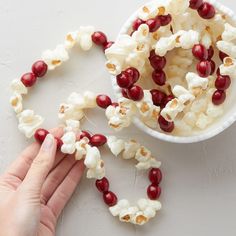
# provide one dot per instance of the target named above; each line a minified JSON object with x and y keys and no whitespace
{"x":206,"y":11}
{"x":218,"y":97}
{"x":153,"y":24}
{"x":135,"y":93}
{"x":110,"y":198}
{"x":137,"y":23}
{"x":166,"y":100}
{"x":213,"y":67}
{"x":159,"y":77}
{"x":165,"y":19}
{"x":40,"y":135}
{"x":102,"y":185}
{"x":134,"y":74}
{"x":157,"y":62}
{"x":99,"y":38}
{"x":195,"y":4}
{"x":98,"y":140}
{"x":28,"y":79}
{"x":222,"y":55}
{"x":200,"y":52}
{"x":103,"y":101}
{"x":155,"y":176}
{"x":218,"y":71}
{"x":125,"y":93}
{"x":107,"y":45}
{"x":153,"y":192}
{"x":166,"y":125}
{"x":157,"y":97}
{"x":223,"y":82}
{"x":210,"y":52}
{"x":204,"y":68}
{"x":59,"y":143}
{"x":85,"y":134}
{"x":152,"y":54}
{"x":39,"y":68}
{"x":124,"y":80}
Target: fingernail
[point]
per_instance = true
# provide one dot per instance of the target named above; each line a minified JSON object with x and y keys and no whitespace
{"x":48,"y":143}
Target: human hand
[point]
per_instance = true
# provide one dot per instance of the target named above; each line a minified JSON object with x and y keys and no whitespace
{"x":36,"y":188}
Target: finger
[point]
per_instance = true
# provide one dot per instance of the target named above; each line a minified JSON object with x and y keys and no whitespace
{"x":56,"y":177}
{"x":40,"y":167}
{"x":20,"y":167}
{"x":64,"y":192}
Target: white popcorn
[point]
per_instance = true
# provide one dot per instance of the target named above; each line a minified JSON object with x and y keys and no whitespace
{"x":77,"y":100}
{"x":183,"y":94}
{"x":72,"y":125}
{"x":29,"y":122}
{"x":188,"y":39}
{"x":196,"y":84}
{"x":54,"y":58}
{"x":182,"y":127}
{"x":80,"y":147}
{"x":135,"y":59}
{"x":150,"y":163}
{"x":229,"y":67}
{"x":190,"y":118}
{"x":68,"y":111}
{"x":114,"y":66}
{"x":203,"y":121}
{"x":165,"y":44}
{"x":18,"y":87}
{"x":172,"y":109}
{"x":85,"y":37}
{"x":151,"y":10}
{"x":131,"y":148}
{"x":71,"y":39}
{"x":116,"y":145}
{"x":142,"y":34}
{"x":177,"y":7}
{"x":92,"y":157}
{"x":200,"y":104}
{"x":229,"y":33}
{"x":127,"y":214}
{"x":121,"y":205}
{"x":98,"y":172}
{"x":142,"y":154}
{"x":206,"y":39}
{"x":227,"y":47}
{"x":69,"y":140}
{"x":214,"y":111}
{"x":151,"y":121}
{"x":89,"y":99}
{"x":16,"y":103}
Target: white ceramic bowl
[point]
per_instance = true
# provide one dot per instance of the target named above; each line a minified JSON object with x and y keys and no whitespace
{"x":218,"y":126}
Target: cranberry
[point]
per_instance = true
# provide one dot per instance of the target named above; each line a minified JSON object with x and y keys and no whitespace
{"x":165,"y":19}
{"x":157,"y":62}
{"x":213,"y":67}
{"x":157,"y":97}
{"x":59,"y":143}
{"x":115,"y":104}
{"x":200,"y":52}
{"x":134,"y":74}
{"x":218,"y":71}
{"x":125,"y":93}
{"x":153,"y":192}
{"x":85,"y":134}
{"x":153,"y":24}
{"x":110,"y":198}
{"x":99,"y":38}
{"x":39,"y":68}
{"x":222,"y":55}
{"x":155,"y":176}
{"x":204,"y":68}
{"x":135,"y":93}
{"x":98,"y":140}
{"x":102,"y":185}
{"x":124,"y":80}
{"x":103,"y":101}
{"x":159,"y":77}
{"x":166,"y":125}
{"x":218,"y":97}
{"x":107,"y":45}
{"x":152,"y":54}
{"x":137,"y":23}
{"x":166,"y":100}
{"x":206,"y":11}
{"x":28,"y":79}
{"x":40,"y":135}
{"x":195,"y":4}
{"x":223,"y":82}
{"x":210,"y":52}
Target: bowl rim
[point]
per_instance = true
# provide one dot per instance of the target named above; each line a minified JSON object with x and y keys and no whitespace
{"x":167,"y":137}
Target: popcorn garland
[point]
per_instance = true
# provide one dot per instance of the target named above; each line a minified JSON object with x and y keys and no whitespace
{"x":187,"y":100}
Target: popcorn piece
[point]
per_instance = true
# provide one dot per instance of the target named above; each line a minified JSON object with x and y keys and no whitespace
{"x":69,"y":140}
{"x":127,"y":214}
{"x":68,"y":111}
{"x":151,"y":10}
{"x":114,"y":66}
{"x":71,"y":39}
{"x":16,"y":102}
{"x":89,"y":99}
{"x":116,"y":145}
{"x":92,"y":157}
{"x":188,"y":39}
{"x":131,"y":148}
{"x":227,"y":47}
{"x":229,"y":67}
{"x":190,"y":118}
{"x":184,"y":96}
{"x":121,"y":205}
{"x":80,"y":147}
{"x":18,"y":87}
{"x":172,"y":109}
{"x":229,"y":33}
{"x":206,"y":39}
{"x":29,"y":122}
{"x":203,"y":121}
{"x":177,"y":7}
{"x":182,"y":128}
{"x":54,"y":58}
{"x":142,"y":34}
{"x":72,"y":125}
{"x":165,"y":44}
{"x":85,"y":37}
{"x":214,"y":111}
{"x":98,"y":172}
{"x":151,"y":121}
{"x":199,"y":105}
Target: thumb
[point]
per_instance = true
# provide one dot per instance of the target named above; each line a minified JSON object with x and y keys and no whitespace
{"x":40,"y":167}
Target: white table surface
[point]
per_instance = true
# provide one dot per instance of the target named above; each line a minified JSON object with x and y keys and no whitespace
{"x":199,"y":191}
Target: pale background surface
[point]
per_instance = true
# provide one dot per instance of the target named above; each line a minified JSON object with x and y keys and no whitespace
{"x":199,"y":190}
